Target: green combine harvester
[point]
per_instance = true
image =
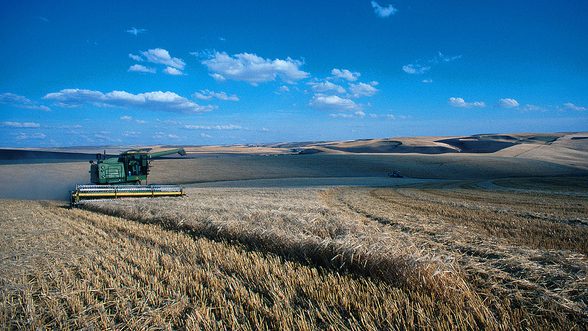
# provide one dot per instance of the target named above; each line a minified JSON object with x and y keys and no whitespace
{"x":122,"y":176}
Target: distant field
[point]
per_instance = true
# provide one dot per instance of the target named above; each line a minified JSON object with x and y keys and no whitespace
{"x":54,"y":180}
{"x":50,"y":173}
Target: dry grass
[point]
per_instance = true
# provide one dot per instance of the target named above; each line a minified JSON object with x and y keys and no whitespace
{"x":529,"y":248}
{"x":297,"y":225}
{"x":298,"y":259}
{"x":96,"y":271}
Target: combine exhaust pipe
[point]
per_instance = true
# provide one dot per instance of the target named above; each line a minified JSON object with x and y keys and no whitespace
{"x":87,"y":192}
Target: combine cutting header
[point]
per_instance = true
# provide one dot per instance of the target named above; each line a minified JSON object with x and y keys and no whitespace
{"x":122,"y":176}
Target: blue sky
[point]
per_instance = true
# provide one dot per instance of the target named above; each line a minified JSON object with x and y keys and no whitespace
{"x":79,"y":73}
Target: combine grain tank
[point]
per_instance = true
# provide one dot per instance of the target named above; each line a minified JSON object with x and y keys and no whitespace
{"x":122,"y":176}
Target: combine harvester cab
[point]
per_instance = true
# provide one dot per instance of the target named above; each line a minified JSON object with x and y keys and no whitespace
{"x":121,"y":177}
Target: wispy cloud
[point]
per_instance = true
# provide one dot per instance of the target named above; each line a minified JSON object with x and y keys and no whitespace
{"x":214,"y":127}
{"x":136,"y":31}
{"x":427,"y":81}
{"x":252,"y":68}
{"x":135,"y":57}
{"x":20,"y":124}
{"x":571,"y":106}
{"x":156,"y":101}
{"x":357,"y":114}
{"x":128,"y":118}
{"x":508,"y":103}
{"x":442,"y":58}
{"x":20,"y":101}
{"x":533,"y":108}
{"x":70,"y":127}
{"x":383,"y":11}
{"x":415,"y":69}
{"x":131,"y":134}
{"x":387,"y":116}
{"x":207,"y":95}
{"x":141,"y":68}
{"x":204,"y":54}
{"x":420,"y":67}
{"x":333,"y":103}
{"x":105,"y":136}
{"x":363,"y":89}
{"x":31,"y":136}
{"x":461,"y":103}
{"x":164,"y":135}
{"x":345,"y":74}
{"x":326,"y":86}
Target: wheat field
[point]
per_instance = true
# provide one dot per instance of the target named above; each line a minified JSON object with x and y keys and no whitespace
{"x":457,"y":257}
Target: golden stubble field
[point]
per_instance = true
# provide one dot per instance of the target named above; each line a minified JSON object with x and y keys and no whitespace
{"x":463,"y":255}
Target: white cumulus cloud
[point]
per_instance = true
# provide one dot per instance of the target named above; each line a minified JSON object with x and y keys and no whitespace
{"x":20,"y":101}
{"x":162,"y":56}
{"x":345,"y":74}
{"x":461,"y":103}
{"x":158,"y":100}
{"x":207,"y":95}
{"x":383,"y":11}
{"x":508,"y":103}
{"x":141,"y":68}
{"x":332,"y":102}
{"x":252,"y":68}
{"x":173,"y":71}
{"x":363,"y":89}
{"x":326,"y":86}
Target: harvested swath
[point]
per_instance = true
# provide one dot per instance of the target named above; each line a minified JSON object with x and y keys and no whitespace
{"x":295,"y":225}
{"x":434,"y":241}
{"x":73,"y":269}
{"x":501,"y":253}
{"x":533,"y":220}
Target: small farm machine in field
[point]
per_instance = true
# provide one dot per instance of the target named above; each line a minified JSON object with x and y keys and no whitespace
{"x":122,"y":176}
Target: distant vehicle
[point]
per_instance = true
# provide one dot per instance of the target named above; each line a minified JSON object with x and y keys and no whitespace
{"x":395,"y":174}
